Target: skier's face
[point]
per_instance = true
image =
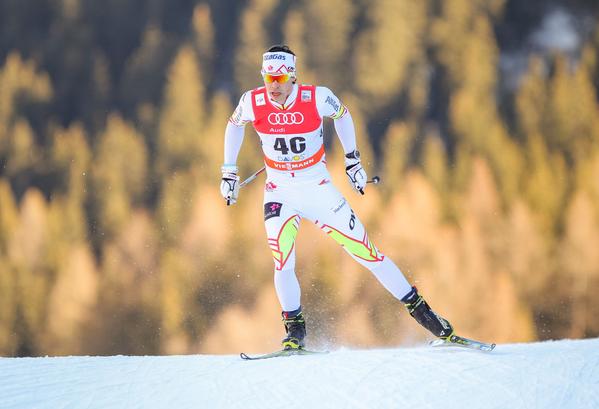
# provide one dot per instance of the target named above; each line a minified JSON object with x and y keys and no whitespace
{"x":278,"y":87}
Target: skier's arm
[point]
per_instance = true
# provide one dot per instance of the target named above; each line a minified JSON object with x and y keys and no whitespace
{"x":329,"y":105}
{"x":344,"y":126}
{"x":229,"y":185}
{"x":233,"y":140}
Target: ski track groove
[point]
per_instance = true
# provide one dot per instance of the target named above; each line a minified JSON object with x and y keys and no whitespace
{"x":595,"y":375}
{"x":361,"y":381}
{"x":522,"y":379}
{"x":583,"y":369}
{"x":565,"y":394}
{"x":457,"y":380}
{"x":145,"y":369}
{"x":594,"y":387}
{"x":343,"y":378}
{"x":512,"y":389}
{"x":580,"y":375}
{"x":143,"y":376}
{"x":388,"y":384}
{"x":344,"y":400}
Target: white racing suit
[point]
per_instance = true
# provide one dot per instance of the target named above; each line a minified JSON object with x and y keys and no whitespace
{"x":298,"y":184}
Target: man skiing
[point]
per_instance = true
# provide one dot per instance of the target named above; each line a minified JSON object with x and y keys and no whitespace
{"x":288,"y":118}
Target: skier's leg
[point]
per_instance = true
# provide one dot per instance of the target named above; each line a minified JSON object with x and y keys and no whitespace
{"x":356,"y":242}
{"x":336,"y":218}
{"x":282,"y":223}
{"x":391,"y":277}
{"x":341,"y":223}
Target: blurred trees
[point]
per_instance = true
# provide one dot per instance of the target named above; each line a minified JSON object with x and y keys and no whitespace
{"x":390,"y":49}
{"x":114,"y":238}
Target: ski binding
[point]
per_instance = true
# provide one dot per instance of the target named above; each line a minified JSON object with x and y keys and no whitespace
{"x":457,"y":341}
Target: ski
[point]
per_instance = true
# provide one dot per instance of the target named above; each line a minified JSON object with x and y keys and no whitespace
{"x":283,"y":352}
{"x":457,"y":341}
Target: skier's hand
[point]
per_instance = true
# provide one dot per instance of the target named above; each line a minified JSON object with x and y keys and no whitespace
{"x":229,"y":184}
{"x":355,"y":172}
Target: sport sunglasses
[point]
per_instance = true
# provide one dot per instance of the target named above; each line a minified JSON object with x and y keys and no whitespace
{"x":280,"y":78}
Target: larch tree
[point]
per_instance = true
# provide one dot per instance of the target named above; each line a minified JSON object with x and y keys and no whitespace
{"x":579,"y":262}
{"x":119,"y":175}
{"x":9,"y":219}
{"x":572,"y":117}
{"x":331,"y":42}
{"x":391,"y":43}
{"x":22,"y":79}
{"x":182,"y":115}
{"x":254,"y":39}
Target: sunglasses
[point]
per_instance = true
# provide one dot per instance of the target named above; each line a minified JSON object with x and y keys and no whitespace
{"x":280,"y":78}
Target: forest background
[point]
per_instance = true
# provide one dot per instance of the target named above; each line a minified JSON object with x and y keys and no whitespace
{"x":480,"y":116}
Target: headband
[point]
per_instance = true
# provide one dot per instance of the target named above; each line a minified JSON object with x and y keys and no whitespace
{"x":278,"y":63}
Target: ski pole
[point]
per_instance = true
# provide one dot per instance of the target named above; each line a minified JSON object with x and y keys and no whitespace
{"x":248,"y":180}
{"x":252,"y":177}
{"x":375,"y":180}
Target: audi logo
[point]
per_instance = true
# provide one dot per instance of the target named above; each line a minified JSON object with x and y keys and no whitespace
{"x":285,"y":118}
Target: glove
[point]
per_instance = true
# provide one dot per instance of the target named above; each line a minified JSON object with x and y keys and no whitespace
{"x":229,"y":184}
{"x":355,"y":172}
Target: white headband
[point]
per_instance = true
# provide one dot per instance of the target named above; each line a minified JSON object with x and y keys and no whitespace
{"x":278,"y":63}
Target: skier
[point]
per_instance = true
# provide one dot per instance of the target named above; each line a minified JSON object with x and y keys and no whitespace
{"x":288,"y":117}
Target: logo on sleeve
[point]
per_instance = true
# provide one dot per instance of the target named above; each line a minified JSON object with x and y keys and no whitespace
{"x":272,"y":209}
{"x":236,"y":117}
{"x":333,"y":103}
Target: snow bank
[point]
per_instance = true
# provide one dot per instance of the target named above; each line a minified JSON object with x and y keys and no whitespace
{"x":559,"y":374}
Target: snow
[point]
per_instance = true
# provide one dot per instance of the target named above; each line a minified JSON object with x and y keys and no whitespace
{"x":553,"y":374}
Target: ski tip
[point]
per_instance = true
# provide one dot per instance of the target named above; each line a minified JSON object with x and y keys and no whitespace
{"x":243,"y":355}
{"x":487,"y":347}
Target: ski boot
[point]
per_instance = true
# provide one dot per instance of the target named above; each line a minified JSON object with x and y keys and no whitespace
{"x":295,"y":326}
{"x":422,"y":313}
